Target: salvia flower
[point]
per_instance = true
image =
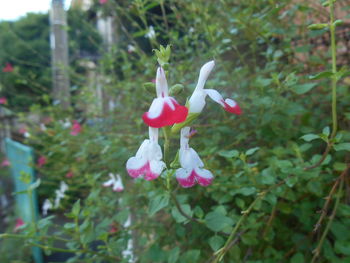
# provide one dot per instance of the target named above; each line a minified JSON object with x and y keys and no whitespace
{"x":8,"y":68}
{"x":69,"y":174}
{"x":191,"y":171}
{"x":19,"y":224}
{"x":147,"y":162}
{"x":41,"y":161}
{"x":60,"y":193}
{"x":47,"y":205}
{"x":150,"y":33}
{"x":197,"y":100}
{"x":5,"y":163}
{"x":76,"y":128}
{"x":164,"y":110}
{"x":116,"y":183}
{"x":3,"y":101}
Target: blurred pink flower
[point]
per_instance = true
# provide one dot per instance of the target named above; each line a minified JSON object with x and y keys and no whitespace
{"x":76,"y":128}
{"x":5,"y":163}
{"x":102,"y":2}
{"x":153,"y":80}
{"x":19,"y":224}
{"x":3,"y":100}
{"x":70,"y":174}
{"x":113,"y":228}
{"x":42,"y":161}
{"x":7,"y":68}
{"x":22,"y":130}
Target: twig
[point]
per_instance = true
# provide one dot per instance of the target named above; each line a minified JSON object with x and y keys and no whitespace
{"x":317,"y":250}
{"x":324,"y":155}
{"x":182,"y":212}
{"x":329,"y":198}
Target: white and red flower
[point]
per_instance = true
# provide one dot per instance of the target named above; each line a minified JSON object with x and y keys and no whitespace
{"x":191,"y":171}
{"x":164,"y":110}
{"x":197,"y":100}
{"x":19,"y":224}
{"x":3,"y":100}
{"x":115,"y":182}
{"x":147,"y":162}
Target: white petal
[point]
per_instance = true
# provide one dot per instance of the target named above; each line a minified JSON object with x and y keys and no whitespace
{"x":215,"y":96}
{"x":161,"y":83}
{"x":231,"y":102}
{"x":153,"y":134}
{"x":135,"y":163}
{"x":182,"y":173}
{"x":154,"y":152}
{"x":157,"y":166}
{"x":108,"y":183}
{"x":185,"y":132}
{"x":197,"y":101}
{"x":142,"y":151}
{"x":156,"y":108}
{"x":189,"y":159}
{"x":204,"y":173}
{"x":204,"y":74}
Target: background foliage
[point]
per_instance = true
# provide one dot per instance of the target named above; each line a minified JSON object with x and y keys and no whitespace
{"x":265,"y":190}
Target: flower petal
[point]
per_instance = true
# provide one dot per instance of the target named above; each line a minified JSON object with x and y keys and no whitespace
{"x":165,"y":112}
{"x":228,"y":104}
{"x":197,"y":101}
{"x":136,"y":166}
{"x":185,"y":178}
{"x":203,"y":177}
{"x":204,"y":74}
{"x":161,"y":83}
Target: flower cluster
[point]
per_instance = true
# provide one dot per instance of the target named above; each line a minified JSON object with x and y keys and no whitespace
{"x":166,"y":111}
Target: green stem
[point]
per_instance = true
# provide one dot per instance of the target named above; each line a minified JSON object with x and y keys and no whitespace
{"x":222,"y":251}
{"x":167,"y":134}
{"x":334,"y":70}
{"x":325,"y":232}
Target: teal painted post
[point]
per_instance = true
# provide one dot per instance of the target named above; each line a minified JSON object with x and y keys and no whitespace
{"x":21,"y":158}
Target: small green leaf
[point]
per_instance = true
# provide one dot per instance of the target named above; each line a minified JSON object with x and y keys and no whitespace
{"x":229,"y":154}
{"x":216,"y":242}
{"x":342,"y":146}
{"x":338,"y":22}
{"x":174,"y":255}
{"x":326,"y":131}
{"x":158,"y":203}
{"x":297,"y":258}
{"x":303,"y":88}
{"x":252,"y":151}
{"x":321,"y":75}
{"x":76,"y":208}
{"x":217,"y":221}
{"x":317,"y":26}
{"x":310,"y":137}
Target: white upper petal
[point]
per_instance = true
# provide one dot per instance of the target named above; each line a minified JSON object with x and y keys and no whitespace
{"x":161,"y":83}
{"x":215,"y":96}
{"x":231,"y":102}
{"x":204,"y":173}
{"x":204,"y":74}
{"x":183,"y":173}
{"x":197,"y":101}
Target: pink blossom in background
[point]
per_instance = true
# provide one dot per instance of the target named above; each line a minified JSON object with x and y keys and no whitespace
{"x":76,"y":128}
{"x":3,"y":100}
{"x":5,"y":163}
{"x":42,"y":161}
{"x":153,"y":80}
{"x":113,"y":228}
{"x":19,"y":224}
{"x":70,"y":174}
{"x":22,"y":130}
{"x":7,"y":68}
{"x":102,"y":2}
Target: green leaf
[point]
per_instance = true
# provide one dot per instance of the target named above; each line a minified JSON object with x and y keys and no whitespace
{"x":190,"y":256}
{"x":158,"y":203}
{"x":216,"y":242}
{"x":342,"y":146}
{"x":321,"y":75}
{"x":303,"y":88}
{"x":246,"y":191}
{"x":326,"y":131}
{"x":229,"y":154}
{"x":179,"y":218}
{"x":217,"y":221}
{"x":297,"y":258}
{"x":317,"y":26}
{"x":174,"y":255}
{"x":309,"y":137}
{"x":76,"y":208}
{"x":252,"y":151}
{"x":342,"y":247}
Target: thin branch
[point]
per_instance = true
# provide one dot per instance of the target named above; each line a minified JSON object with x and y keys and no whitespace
{"x":324,"y":155}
